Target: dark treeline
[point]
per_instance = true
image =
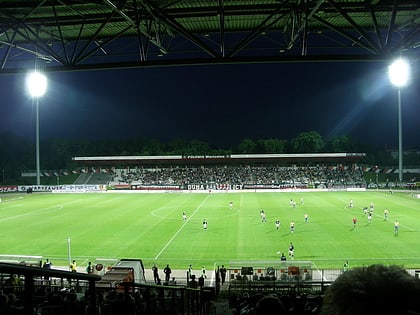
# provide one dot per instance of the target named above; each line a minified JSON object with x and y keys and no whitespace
{"x":18,"y":154}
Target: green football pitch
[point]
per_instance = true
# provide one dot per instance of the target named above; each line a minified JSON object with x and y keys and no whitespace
{"x":150,"y":227}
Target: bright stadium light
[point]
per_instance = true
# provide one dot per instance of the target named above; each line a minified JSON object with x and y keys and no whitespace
{"x":399,"y":74}
{"x":36,"y":84}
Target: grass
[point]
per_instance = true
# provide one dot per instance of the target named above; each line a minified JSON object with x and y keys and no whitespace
{"x":150,"y":227}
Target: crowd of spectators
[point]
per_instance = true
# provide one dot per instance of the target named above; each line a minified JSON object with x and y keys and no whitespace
{"x":373,"y":289}
{"x":74,"y":299}
{"x":293,"y":303}
{"x":330,"y":176}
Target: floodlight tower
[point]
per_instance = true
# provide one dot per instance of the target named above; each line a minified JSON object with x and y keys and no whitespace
{"x":69,"y":250}
{"x":37,"y":86}
{"x":399,"y":74}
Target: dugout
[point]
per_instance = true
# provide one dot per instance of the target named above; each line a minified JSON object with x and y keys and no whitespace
{"x":24,"y":260}
{"x":124,"y":271}
{"x":275,"y":270}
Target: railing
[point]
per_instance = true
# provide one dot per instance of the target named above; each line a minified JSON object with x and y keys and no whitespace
{"x":155,"y":299}
{"x":161,"y":299}
{"x":31,"y":276}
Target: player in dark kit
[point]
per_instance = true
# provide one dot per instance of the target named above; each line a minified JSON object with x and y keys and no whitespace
{"x":291,"y":251}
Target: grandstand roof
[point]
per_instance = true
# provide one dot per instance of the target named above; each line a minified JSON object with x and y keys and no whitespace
{"x":74,"y":35}
{"x":225,"y":159}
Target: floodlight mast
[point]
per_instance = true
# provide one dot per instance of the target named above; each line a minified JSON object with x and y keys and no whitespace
{"x":69,"y":251}
{"x":37,"y":86}
{"x":399,"y":73}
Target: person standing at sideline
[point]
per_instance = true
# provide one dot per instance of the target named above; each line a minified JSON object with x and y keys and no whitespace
{"x":89,"y":268}
{"x":155,"y":273}
{"x":167,"y":271}
{"x":203,"y":272}
{"x":47,"y":264}
{"x":346,"y":266}
{"x":189,"y":271}
{"x":223,"y":272}
{"x":73,"y":266}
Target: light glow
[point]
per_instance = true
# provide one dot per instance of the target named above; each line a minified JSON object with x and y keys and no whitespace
{"x":399,"y":72}
{"x":36,"y":84}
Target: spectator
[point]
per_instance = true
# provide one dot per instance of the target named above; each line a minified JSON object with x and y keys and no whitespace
{"x":47,"y":265}
{"x":201,"y":281}
{"x":12,"y":284}
{"x":270,"y":304}
{"x":376,"y":289}
{"x":4,"y":302}
{"x":193,"y":284}
{"x":73,"y":305}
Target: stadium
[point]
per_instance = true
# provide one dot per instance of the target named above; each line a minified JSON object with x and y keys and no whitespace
{"x":131,"y":209}
{"x":203,"y":230}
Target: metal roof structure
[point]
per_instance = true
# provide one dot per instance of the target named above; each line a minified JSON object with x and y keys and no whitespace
{"x":236,"y":159}
{"x":68,"y":35}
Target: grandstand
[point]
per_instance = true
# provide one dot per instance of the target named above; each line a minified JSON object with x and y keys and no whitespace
{"x":248,"y":171}
{"x":93,"y":178}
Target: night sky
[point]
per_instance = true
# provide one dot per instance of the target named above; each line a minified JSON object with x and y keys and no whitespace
{"x":218,"y":104}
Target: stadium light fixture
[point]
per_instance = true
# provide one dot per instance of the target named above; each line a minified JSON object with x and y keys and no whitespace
{"x":36,"y":84}
{"x":399,"y":75}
